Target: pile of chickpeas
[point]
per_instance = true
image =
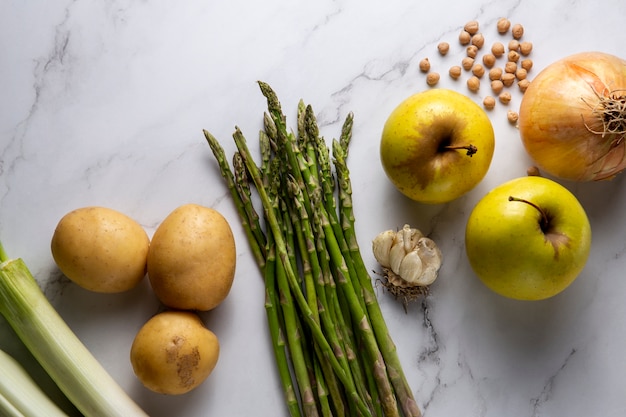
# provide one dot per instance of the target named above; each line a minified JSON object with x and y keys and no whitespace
{"x":515,"y":70}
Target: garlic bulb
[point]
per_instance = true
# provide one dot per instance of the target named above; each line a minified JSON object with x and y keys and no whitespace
{"x":408,"y":257}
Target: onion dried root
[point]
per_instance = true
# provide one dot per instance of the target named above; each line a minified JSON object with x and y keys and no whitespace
{"x":611,"y":112}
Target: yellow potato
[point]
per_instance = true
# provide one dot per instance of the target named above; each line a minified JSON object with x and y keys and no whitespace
{"x":100,"y":249}
{"x":191,"y":262}
{"x":174,"y":352}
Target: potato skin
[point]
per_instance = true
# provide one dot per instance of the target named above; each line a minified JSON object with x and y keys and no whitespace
{"x":192,"y":257}
{"x":174,"y":352}
{"x":100,"y":249}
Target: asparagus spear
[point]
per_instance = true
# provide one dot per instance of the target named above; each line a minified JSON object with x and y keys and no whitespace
{"x":311,"y":255}
{"x":388,"y":348}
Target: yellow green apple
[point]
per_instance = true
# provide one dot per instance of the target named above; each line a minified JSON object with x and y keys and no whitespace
{"x":528,"y":238}
{"x":437,"y":145}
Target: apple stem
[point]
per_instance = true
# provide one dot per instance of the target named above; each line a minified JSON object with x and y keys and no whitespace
{"x":471,"y":149}
{"x":545,"y":221}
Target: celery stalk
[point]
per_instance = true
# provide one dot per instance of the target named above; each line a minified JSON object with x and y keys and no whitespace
{"x":20,"y":395}
{"x":56,"y":347}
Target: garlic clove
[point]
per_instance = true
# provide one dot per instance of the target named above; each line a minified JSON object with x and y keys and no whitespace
{"x":381,"y":245}
{"x":397,"y":253}
{"x":429,"y":252}
{"x":411,"y":268}
{"x":428,"y":276}
{"x":411,"y":239}
{"x":407,"y":234}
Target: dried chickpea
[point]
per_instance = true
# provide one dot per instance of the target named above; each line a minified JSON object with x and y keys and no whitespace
{"x":472,"y":51}
{"x":473,"y":83}
{"x":525,"y":48}
{"x":508,"y":79}
{"x":489,"y":60}
{"x":497,"y":86}
{"x":513,"y":56}
{"x":478,"y":40}
{"x":503,"y":25}
{"x":443,"y":48}
{"x":497,"y":49}
{"x":424,"y":65}
{"x":455,"y":71}
{"x":432,"y":78}
{"x":521,"y":74}
{"x":504,"y":97}
{"x":512,"y":116}
{"x":464,"y":37}
{"x":467,"y":63}
{"x":471,"y":27}
{"x":523,"y":85}
{"x":513,"y":45}
{"x":478,"y":70}
{"x":510,"y":67}
{"x":533,"y":171}
{"x":527,"y":64}
{"x":489,"y":102}
{"x":517,"y":31}
{"x":495,"y":73}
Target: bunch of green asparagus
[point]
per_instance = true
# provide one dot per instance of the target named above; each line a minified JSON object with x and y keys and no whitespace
{"x":333,"y":351}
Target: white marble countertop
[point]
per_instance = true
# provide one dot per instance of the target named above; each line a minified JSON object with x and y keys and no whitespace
{"x":103,"y":103}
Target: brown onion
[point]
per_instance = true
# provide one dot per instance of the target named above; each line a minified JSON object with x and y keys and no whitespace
{"x":572,"y":117}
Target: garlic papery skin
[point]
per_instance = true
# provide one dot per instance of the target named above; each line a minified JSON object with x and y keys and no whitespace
{"x":408,"y":257}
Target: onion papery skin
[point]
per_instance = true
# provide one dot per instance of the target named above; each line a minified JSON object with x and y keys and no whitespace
{"x":558,"y":116}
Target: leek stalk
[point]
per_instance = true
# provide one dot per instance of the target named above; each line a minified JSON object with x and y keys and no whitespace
{"x":19,"y":393}
{"x":56,"y":347}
